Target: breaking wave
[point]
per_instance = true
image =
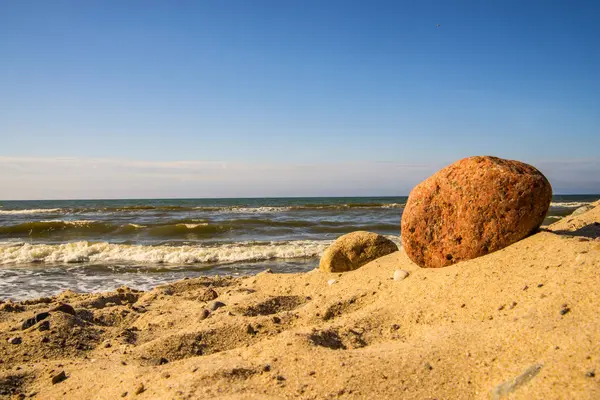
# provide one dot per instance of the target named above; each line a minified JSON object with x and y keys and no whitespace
{"x":569,"y":204}
{"x":230,"y":209}
{"x":88,"y":252}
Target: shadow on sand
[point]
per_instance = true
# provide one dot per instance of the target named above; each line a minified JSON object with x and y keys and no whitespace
{"x":591,"y":231}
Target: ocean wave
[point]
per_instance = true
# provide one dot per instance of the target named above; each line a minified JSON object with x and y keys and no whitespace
{"x":88,"y":252}
{"x":221,"y":209}
{"x":31,"y":211}
{"x":569,"y":204}
{"x":181,"y":228}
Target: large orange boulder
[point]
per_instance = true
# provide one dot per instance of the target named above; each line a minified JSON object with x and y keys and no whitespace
{"x":471,"y":208}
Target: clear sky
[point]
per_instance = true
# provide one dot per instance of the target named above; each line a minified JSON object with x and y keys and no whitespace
{"x":291,"y":97}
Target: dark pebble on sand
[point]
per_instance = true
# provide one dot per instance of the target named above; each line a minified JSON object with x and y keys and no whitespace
{"x":215,"y":305}
{"x":267,"y":368}
{"x":15,"y":340}
{"x":58,"y":378}
{"x":250,"y":330}
{"x":280,"y":378}
{"x":276,"y":320}
{"x":204,"y":314}
{"x":66,"y":308}
{"x":139,"y":388}
{"x":565,"y":310}
{"x":32,"y":321}
{"x":590,"y":373}
{"x":208,"y":295}
{"x":44,"y":326}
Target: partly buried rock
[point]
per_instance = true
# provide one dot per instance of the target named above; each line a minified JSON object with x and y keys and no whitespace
{"x":354,"y":250}
{"x":471,"y":208}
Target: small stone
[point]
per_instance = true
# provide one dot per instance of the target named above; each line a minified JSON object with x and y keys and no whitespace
{"x":501,"y":307}
{"x":208,"y":295}
{"x":267,"y":368}
{"x":591,"y":373}
{"x":280,"y":378}
{"x":525,"y":287}
{"x":395,"y":327}
{"x":45,"y":339}
{"x":400,"y":274}
{"x":428,"y":366}
{"x":331,"y":282}
{"x":124,"y":394}
{"x":276,"y":320}
{"x":65,"y":308}
{"x":15,"y":340}
{"x":44,"y":326}
{"x":139,"y":388}
{"x":565,"y":310}
{"x":58,"y":378}
{"x":215,"y":305}
{"x":204,"y":314}
{"x":540,"y":285}
{"x":160,"y":361}
{"x":355,"y":249}
{"x":250,"y":330}
{"x":513,"y":305}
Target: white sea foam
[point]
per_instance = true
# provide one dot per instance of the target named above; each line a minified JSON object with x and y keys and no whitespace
{"x":392,"y":205}
{"x":32,"y":211}
{"x":256,"y":210}
{"x":80,"y":252}
{"x":570,"y":204}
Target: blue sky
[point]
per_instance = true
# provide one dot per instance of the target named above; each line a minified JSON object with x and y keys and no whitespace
{"x":269,"y":86}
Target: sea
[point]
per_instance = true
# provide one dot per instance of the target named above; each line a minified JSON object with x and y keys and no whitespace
{"x":98,"y":245}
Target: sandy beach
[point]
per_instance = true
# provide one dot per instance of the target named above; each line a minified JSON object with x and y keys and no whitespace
{"x":519,"y":323}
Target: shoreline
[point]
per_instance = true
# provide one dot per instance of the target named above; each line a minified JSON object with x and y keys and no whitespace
{"x":521,"y":321}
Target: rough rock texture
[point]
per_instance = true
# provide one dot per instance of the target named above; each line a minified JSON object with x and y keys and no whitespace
{"x":354,"y":250}
{"x":471,"y":208}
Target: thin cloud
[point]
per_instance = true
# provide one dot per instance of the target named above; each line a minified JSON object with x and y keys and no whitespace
{"x":71,"y":177}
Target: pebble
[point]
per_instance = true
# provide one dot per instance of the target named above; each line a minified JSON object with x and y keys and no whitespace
{"x":208,"y":295}
{"x":64,"y":307}
{"x":140,"y":388}
{"x":331,"y":282}
{"x":215,"y":305}
{"x":400,"y":274}
{"x":28,"y":323}
{"x":44,"y":326}
{"x":204,"y":314}
{"x":58,"y":378}
{"x":565,"y":310}
{"x":15,"y":340}
{"x":590,"y":373}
